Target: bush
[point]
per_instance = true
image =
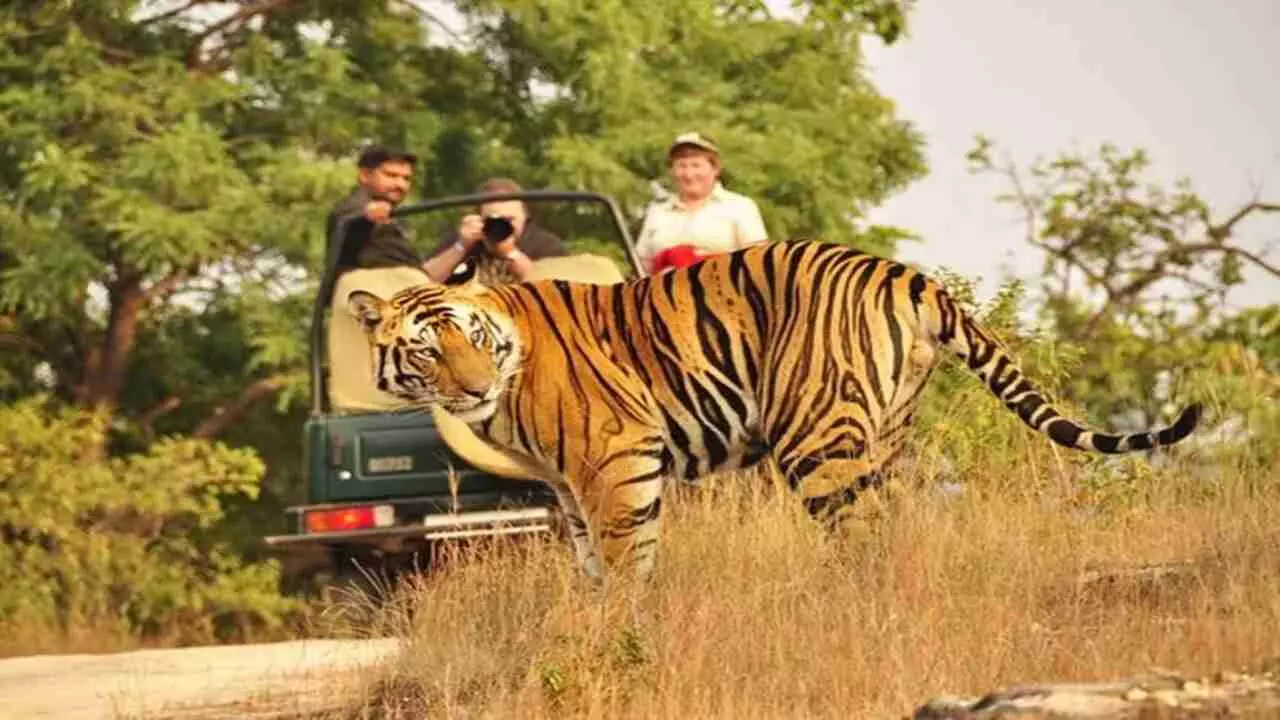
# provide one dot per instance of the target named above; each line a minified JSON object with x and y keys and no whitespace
{"x":964,"y":432}
{"x":124,"y":546}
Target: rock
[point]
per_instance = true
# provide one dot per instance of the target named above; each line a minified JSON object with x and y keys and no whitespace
{"x":1156,"y":695}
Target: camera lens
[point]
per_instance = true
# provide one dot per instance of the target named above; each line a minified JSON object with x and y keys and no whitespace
{"x":497,"y":228}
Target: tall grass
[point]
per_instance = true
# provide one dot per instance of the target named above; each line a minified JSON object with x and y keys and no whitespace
{"x":754,"y":612}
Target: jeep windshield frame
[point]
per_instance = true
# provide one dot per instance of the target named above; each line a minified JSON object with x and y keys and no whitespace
{"x":318,"y":360}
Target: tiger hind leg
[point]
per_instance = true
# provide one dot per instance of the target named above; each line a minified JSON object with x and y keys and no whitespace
{"x":842,"y":493}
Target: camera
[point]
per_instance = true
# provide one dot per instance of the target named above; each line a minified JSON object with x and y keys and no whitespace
{"x":497,"y":228}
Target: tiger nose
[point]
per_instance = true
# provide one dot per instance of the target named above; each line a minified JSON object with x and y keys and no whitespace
{"x":474,"y":384}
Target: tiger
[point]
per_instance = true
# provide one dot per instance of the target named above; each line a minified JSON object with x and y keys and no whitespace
{"x":811,"y":353}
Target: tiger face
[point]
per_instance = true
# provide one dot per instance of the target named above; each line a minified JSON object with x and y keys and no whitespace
{"x":432,"y":347}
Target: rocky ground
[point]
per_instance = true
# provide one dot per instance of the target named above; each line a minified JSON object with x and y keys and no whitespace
{"x":1161,"y":695}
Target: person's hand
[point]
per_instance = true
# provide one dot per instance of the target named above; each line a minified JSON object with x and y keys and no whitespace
{"x":471,"y":229}
{"x":378,"y":211}
{"x":504,"y":248}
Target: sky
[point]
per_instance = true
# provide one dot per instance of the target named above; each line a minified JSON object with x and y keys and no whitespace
{"x":1197,"y":84}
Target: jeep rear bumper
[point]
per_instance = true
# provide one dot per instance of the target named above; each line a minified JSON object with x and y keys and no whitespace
{"x":414,"y":527}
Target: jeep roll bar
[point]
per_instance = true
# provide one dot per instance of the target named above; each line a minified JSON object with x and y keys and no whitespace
{"x":333,"y":249}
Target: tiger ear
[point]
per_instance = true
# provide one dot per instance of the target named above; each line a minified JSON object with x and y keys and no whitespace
{"x":367,"y":308}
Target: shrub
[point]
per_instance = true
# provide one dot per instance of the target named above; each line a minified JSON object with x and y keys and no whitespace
{"x":125,"y":546}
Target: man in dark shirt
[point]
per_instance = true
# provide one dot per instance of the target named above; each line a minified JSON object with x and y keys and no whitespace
{"x":506,"y":255}
{"x":374,"y":239}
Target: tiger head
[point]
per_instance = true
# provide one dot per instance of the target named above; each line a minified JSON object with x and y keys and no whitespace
{"x":434,"y":345}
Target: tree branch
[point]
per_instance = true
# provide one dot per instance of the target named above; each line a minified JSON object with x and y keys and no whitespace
{"x":21,"y":342}
{"x":1091,"y":325}
{"x":1067,"y":256}
{"x":147,"y":421}
{"x":235,"y":20}
{"x":166,"y":285}
{"x":9,"y":338}
{"x":105,"y":371}
{"x":1232,"y":250}
{"x":1029,"y":205}
{"x":430,"y":17}
{"x":169,"y":14}
{"x":229,"y":412}
{"x":1223,"y":231}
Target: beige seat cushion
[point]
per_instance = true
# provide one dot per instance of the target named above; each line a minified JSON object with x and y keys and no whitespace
{"x":586,"y":267}
{"x":351,"y":387}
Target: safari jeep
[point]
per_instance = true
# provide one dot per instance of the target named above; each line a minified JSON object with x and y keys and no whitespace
{"x":385,"y":485}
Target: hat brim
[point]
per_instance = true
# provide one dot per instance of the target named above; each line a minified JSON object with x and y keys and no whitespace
{"x":704,"y":147}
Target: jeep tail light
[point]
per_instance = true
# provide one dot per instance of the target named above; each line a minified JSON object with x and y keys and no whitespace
{"x":349,"y":518}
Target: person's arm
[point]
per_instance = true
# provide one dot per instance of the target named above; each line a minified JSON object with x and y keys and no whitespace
{"x":453,"y":249}
{"x":350,"y":211}
{"x":647,"y":247}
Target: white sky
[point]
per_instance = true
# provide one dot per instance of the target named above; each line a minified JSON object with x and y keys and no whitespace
{"x":1195,"y":83}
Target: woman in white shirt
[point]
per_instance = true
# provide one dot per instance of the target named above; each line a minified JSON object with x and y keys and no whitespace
{"x":702,"y":218}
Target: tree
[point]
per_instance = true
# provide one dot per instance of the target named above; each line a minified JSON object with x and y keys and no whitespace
{"x":167,"y":167}
{"x":1134,"y":273}
{"x":124,"y":189}
{"x":591,"y":95}
{"x":169,"y":162}
{"x":125,"y":545}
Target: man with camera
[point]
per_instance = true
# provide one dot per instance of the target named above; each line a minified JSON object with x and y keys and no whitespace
{"x":498,"y":243}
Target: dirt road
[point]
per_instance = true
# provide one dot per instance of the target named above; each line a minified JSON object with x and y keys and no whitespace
{"x":192,"y":682}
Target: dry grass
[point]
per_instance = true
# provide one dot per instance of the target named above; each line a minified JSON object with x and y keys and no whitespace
{"x":755,"y":613}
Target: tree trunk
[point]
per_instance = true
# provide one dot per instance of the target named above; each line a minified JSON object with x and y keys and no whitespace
{"x":105,"y":373}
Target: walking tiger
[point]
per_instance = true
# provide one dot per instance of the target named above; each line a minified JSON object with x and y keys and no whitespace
{"x":814,"y":353}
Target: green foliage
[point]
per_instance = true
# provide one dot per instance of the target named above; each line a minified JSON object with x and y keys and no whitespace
{"x":132,"y":539}
{"x":154,"y":154}
{"x":801,"y":129}
{"x":1135,"y":274}
{"x":960,"y":420}
{"x":164,"y":179}
{"x":1256,"y":331}
{"x":965,"y":434}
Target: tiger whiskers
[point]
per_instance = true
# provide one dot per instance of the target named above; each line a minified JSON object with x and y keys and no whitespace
{"x":416,"y":408}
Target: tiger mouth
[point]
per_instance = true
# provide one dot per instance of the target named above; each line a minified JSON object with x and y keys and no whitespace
{"x":473,"y":411}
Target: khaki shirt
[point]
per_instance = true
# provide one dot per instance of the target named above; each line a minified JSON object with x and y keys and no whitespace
{"x":727,"y":221}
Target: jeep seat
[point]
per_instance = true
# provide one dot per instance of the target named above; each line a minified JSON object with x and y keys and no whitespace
{"x":584,"y":267}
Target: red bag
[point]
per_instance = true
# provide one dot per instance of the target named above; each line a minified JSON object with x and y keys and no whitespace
{"x":677,"y":256}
